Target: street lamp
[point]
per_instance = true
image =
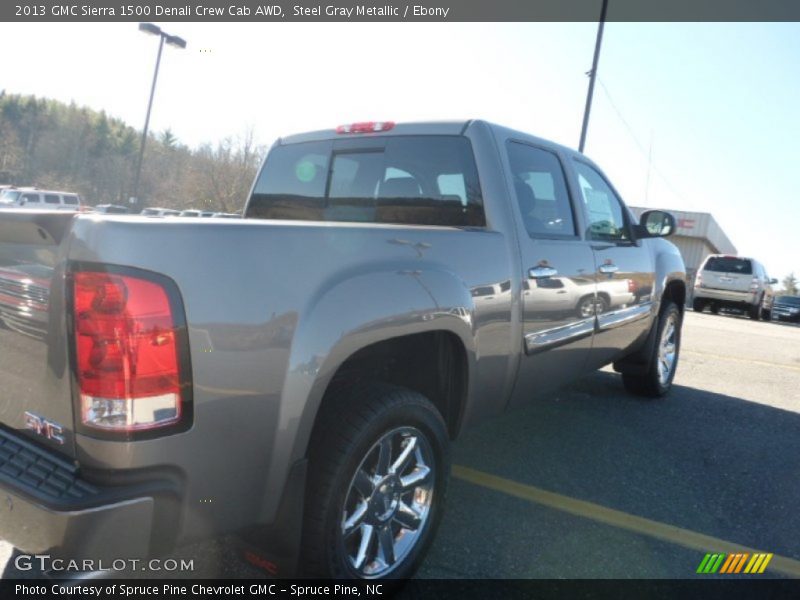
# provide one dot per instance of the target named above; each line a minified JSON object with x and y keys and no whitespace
{"x":172,"y":40}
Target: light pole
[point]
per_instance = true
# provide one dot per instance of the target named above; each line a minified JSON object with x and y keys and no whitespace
{"x":592,"y":75}
{"x":172,"y":40}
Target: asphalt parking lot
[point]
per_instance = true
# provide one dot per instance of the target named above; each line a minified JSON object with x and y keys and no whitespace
{"x":593,"y":483}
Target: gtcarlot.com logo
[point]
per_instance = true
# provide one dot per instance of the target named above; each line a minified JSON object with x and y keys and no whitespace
{"x":44,"y":563}
{"x":728,"y":564}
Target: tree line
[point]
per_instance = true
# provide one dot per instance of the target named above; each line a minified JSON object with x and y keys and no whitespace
{"x":53,"y":145}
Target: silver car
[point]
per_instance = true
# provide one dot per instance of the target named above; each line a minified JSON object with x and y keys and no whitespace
{"x":733,"y":282}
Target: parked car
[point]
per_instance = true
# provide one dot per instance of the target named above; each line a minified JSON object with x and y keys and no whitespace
{"x":584,"y":296}
{"x":191,"y":213}
{"x":733,"y":282}
{"x":111,"y":209}
{"x":153,"y":211}
{"x":786,"y":308}
{"x":225,"y":215}
{"x":304,"y":385}
{"x":41,"y":199}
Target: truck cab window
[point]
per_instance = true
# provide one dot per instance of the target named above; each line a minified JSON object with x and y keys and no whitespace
{"x":541,"y":191}
{"x":412,"y":180}
{"x":604,"y":211}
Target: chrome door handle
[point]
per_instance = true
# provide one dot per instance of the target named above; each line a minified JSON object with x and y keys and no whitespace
{"x":542,"y":272}
{"x":609,"y":268}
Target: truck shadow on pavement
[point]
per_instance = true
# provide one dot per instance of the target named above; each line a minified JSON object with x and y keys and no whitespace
{"x":706,"y":462}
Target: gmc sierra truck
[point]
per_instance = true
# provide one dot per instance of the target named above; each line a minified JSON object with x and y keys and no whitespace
{"x":296,"y":376}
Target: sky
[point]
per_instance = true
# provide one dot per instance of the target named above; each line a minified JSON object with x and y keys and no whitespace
{"x":686,"y":116}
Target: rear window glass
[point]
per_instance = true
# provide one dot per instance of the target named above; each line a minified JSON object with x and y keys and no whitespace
{"x":414,"y":180}
{"x":791,"y":300}
{"x":729,"y":264}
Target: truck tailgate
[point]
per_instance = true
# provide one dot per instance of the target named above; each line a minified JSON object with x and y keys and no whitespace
{"x":35,"y":389}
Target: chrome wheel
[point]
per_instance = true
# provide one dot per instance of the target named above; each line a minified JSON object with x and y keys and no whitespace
{"x":591,"y":306}
{"x":388,"y":502}
{"x":667,"y":350}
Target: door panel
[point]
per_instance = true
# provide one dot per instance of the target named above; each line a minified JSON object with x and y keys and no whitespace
{"x":624,"y":270}
{"x":558,"y":315}
{"x":558,"y":275}
{"x":625,"y":282}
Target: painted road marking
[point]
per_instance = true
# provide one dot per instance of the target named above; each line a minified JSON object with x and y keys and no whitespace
{"x":750,"y":361}
{"x":617,"y":518}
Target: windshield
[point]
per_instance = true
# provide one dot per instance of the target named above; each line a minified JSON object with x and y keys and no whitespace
{"x":790,"y":300}
{"x":729,"y":264}
{"x":415,"y":180}
{"x":9,"y":197}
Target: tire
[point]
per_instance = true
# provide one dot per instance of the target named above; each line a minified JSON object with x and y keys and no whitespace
{"x":715,"y":309}
{"x":698,"y":305}
{"x":656,"y":381}
{"x":356,"y":508}
{"x":755,"y":312}
{"x":589,"y":306}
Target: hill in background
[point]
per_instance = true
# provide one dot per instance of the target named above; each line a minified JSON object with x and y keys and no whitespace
{"x":52,"y":145}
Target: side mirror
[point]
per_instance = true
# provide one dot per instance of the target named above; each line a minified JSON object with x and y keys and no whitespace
{"x":656,"y":223}
{"x":773,"y":281}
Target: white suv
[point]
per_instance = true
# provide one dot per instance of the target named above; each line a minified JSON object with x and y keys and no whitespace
{"x":44,"y":199}
{"x":733,"y":282}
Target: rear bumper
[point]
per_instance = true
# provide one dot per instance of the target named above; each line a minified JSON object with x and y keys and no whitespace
{"x":726,"y":296}
{"x":47,"y":508}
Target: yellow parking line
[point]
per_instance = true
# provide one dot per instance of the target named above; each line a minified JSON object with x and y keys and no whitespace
{"x":596,"y":512}
{"x":751,"y":361}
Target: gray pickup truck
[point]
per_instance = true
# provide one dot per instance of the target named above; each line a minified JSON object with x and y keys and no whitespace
{"x":296,"y":376}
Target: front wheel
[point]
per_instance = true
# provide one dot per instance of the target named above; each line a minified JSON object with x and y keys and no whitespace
{"x":379,"y":467}
{"x":657,"y":379}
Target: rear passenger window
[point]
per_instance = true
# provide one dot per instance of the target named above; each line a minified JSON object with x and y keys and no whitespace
{"x":414,"y":180}
{"x":541,"y":191}
{"x":72,"y":200}
{"x":52,"y":199}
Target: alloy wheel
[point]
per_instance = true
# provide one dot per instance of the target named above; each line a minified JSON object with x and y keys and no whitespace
{"x":388,"y":502}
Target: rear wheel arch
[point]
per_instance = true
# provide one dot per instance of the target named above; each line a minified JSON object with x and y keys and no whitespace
{"x":433,"y":363}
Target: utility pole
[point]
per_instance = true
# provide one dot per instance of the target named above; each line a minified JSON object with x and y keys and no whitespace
{"x":592,"y":75}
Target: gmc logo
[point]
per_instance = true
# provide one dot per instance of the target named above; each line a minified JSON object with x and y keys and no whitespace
{"x":49,"y":429}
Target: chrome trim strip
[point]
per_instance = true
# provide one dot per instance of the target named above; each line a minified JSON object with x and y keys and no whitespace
{"x":538,"y":340}
{"x":623,"y":316}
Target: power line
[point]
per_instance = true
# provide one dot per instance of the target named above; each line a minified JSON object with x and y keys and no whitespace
{"x":639,"y":145}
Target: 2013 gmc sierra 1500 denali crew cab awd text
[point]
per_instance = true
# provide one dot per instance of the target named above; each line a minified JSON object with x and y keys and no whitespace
{"x":296,"y":375}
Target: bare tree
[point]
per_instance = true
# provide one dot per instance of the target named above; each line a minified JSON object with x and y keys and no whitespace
{"x":790,"y":285}
{"x":223,"y":174}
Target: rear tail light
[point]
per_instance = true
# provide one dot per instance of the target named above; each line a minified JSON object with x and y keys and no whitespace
{"x":366,"y":127}
{"x":754,"y":284}
{"x":698,"y":281}
{"x":632,"y":286}
{"x":128,"y":348}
